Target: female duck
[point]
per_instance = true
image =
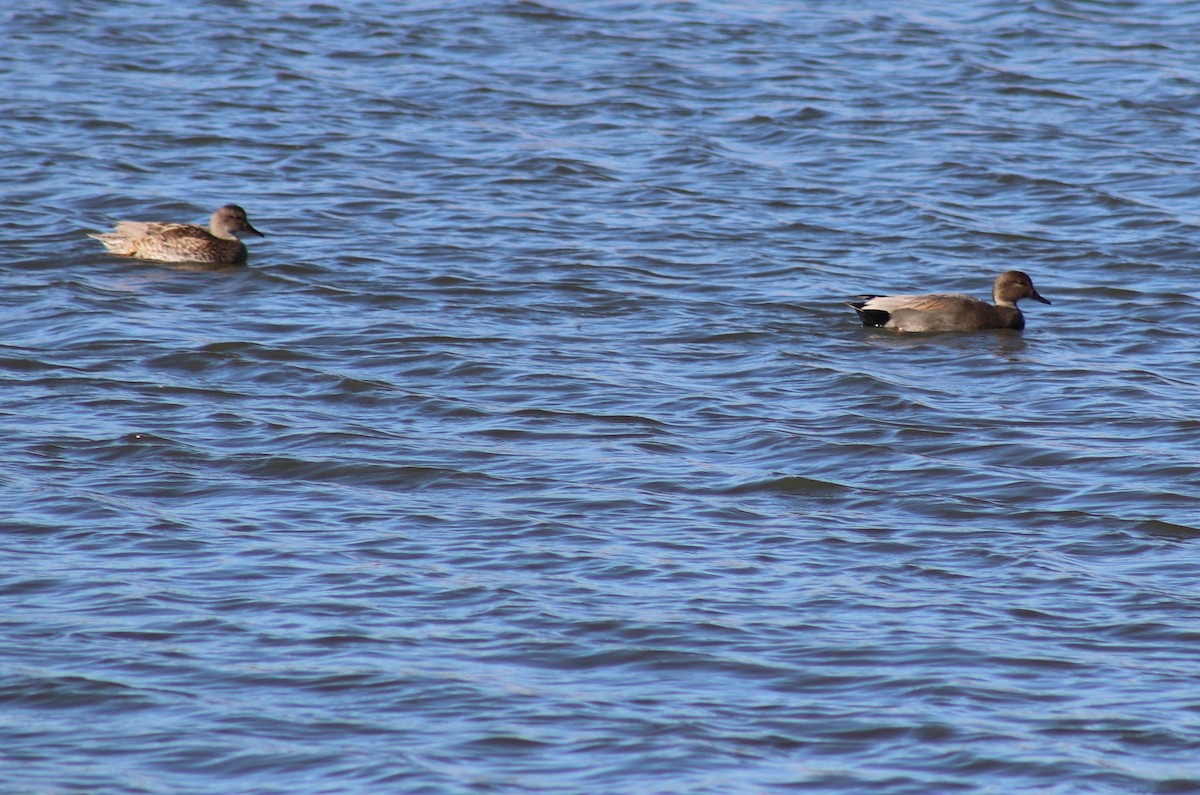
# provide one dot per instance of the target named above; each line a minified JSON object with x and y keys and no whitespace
{"x":218,"y":244}
{"x":950,"y":312}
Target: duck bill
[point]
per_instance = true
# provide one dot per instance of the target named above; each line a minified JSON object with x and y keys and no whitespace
{"x":253,"y":231}
{"x":1038,"y":297}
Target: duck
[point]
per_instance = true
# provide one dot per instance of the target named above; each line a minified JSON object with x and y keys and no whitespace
{"x":950,"y":311}
{"x":167,"y":242}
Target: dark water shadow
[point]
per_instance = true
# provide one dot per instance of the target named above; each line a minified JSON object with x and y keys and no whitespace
{"x":1169,"y":530}
{"x":1004,"y":342}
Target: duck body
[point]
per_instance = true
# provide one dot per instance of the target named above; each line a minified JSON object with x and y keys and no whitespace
{"x":166,"y":242}
{"x":950,"y":311}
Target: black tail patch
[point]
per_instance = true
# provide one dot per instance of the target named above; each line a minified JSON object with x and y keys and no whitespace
{"x":872,"y":318}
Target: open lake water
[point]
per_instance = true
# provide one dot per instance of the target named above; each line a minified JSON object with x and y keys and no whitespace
{"x":535,"y":451}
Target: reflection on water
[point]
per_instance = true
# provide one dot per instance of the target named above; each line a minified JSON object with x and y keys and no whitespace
{"x":1003,"y":342}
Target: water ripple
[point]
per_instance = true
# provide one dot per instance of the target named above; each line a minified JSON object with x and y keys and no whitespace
{"x":536,"y":451}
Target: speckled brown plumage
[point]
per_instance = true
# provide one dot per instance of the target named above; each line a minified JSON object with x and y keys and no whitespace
{"x":165,"y":242}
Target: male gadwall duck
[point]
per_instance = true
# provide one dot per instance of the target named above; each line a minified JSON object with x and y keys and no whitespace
{"x":948,"y":311}
{"x":183,"y":242}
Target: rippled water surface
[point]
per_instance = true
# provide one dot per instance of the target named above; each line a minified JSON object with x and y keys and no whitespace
{"x":536,"y":451}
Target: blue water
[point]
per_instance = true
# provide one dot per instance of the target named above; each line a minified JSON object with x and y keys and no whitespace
{"x":535,"y":450}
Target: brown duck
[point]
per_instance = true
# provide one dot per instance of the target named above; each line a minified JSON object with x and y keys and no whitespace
{"x":950,"y":311}
{"x":218,"y":244}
